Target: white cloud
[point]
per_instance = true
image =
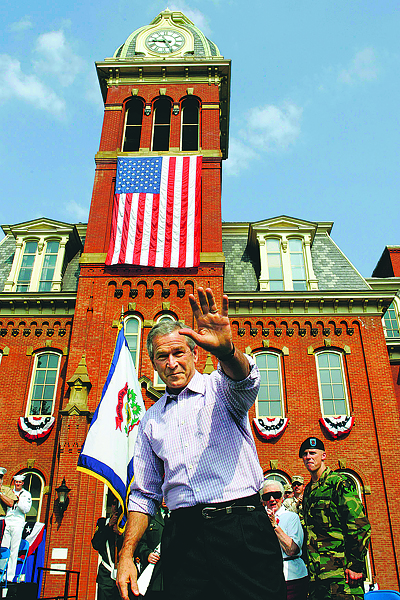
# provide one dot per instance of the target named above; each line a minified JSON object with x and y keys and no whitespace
{"x":15,"y":84}
{"x":363,"y":67}
{"x":198,"y":18}
{"x":240,"y":155}
{"x":55,"y":56}
{"x":271,"y":128}
{"x":21,"y":25}
{"x":78,"y":212}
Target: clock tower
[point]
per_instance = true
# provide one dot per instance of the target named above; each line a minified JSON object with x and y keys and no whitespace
{"x":166,"y":94}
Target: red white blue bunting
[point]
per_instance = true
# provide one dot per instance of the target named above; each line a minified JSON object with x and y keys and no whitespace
{"x":337,"y":426}
{"x":270,"y":428}
{"x":35,"y":428}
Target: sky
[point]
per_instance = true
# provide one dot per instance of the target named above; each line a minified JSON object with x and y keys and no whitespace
{"x":314,"y":126}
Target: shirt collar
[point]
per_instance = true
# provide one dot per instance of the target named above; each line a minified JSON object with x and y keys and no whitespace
{"x":196,"y":385}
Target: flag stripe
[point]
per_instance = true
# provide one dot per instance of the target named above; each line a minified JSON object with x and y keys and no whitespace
{"x":156,"y":212}
{"x":184,"y":212}
{"x":169,"y":213}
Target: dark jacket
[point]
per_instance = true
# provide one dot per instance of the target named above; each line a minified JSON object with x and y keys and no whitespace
{"x":103,"y":534}
{"x":149,"y":542}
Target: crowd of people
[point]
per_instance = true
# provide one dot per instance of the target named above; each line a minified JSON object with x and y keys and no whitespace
{"x":229,"y":533}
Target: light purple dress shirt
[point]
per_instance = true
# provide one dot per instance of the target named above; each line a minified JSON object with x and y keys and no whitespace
{"x":202,"y":441}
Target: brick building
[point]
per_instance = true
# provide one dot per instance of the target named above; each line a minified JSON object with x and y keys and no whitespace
{"x":297,"y":304}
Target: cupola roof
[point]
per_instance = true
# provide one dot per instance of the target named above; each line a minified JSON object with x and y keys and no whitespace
{"x":157,"y":39}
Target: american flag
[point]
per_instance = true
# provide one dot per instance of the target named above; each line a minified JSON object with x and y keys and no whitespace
{"x":156,"y":212}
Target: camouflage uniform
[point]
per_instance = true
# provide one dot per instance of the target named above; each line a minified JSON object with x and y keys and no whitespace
{"x":338,"y":534}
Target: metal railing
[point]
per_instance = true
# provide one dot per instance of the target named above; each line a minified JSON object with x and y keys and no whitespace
{"x":66,"y":595}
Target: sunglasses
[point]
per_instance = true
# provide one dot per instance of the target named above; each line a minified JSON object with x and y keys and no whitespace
{"x":275,"y":495}
{"x":296,"y":483}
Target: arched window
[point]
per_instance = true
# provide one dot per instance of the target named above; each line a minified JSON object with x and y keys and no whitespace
{"x":332,"y":384}
{"x":49,"y":265}
{"x":162,"y":123}
{"x":390,"y":323}
{"x":133,"y":125}
{"x":34,"y":483}
{"x":190,"y":124}
{"x":43,"y":384}
{"x":27,"y":264}
{"x":276,"y":476}
{"x":297,"y":264}
{"x":274,"y":260}
{"x":158,"y":383}
{"x":269,"y":400}
{"x":132,"y":334}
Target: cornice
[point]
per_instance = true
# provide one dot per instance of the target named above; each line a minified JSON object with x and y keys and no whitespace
{"x":91,"y":258}
{"x":110,"y":156}
{"x":311,"y":303}
{"x":33,"y":303}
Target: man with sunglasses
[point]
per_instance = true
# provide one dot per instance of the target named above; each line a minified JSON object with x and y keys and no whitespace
{"x":337,"y":529}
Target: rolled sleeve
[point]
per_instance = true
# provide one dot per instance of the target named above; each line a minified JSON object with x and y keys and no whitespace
{"x":239,"y":396}
{"x":145,"y":494}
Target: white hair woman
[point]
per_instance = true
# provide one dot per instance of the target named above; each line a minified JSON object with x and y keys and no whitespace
{"x":290,"y":535}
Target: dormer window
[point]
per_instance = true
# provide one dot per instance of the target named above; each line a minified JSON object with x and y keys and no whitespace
{"x":274,"y":260}
{"x":27,"y":264}
{"x":49,"y":265}
{"x":297,"y":264}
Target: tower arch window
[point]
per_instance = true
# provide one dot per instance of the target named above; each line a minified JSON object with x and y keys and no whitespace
{"x":297,"y":264}
{"x":269,"y":400}
{"x":34,"y":483}
{"x":26,"y":268}
{"x":43,"y":384}
{"x":274,"y":260}
{"x":133,"y":125}
{"x":133,"y":328}
{"x":161,"y":123}
{"x":190,"y":124}
{"x":49,"y":265}
{"x":332,"y":384}
{"x":390,"y":322}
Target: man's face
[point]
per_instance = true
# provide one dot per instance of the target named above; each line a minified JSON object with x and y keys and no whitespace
{"x":313,"y":459}
{"x":18,"y":485}
{"x":173,"y":360}
{"x":297,"y":488}
{"x":268,"y":497}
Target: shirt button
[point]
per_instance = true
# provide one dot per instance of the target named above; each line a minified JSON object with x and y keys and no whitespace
{"x":186,"y":445}
{"x":197,"y":489}
{"x":190,"y":466}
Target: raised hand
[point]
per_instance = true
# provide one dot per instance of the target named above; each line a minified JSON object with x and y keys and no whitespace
{"x":214,"y":330}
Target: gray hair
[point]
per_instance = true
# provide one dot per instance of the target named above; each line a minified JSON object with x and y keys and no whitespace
{"x":272,"y":482}
{"x":165,"y":327}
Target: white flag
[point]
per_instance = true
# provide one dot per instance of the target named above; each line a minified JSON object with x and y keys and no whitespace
{"x":108,"y":449}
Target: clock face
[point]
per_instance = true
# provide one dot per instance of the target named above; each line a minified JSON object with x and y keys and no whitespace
{"x":165,"y":41}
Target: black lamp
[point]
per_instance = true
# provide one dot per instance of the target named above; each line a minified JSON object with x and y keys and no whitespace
{"x":62,"y":499}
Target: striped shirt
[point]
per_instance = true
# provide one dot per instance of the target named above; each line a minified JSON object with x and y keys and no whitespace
{"x":201,"y":440}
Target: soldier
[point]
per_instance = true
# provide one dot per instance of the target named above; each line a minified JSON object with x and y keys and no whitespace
{"x":294,"y":503}
{"x":337,"y":529}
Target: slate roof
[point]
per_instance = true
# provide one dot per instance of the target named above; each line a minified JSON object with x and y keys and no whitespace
{"x":333,"y":270}
{"x":240,"y":268}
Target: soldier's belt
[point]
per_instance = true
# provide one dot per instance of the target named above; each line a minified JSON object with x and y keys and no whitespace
{"x":291,"y":557}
